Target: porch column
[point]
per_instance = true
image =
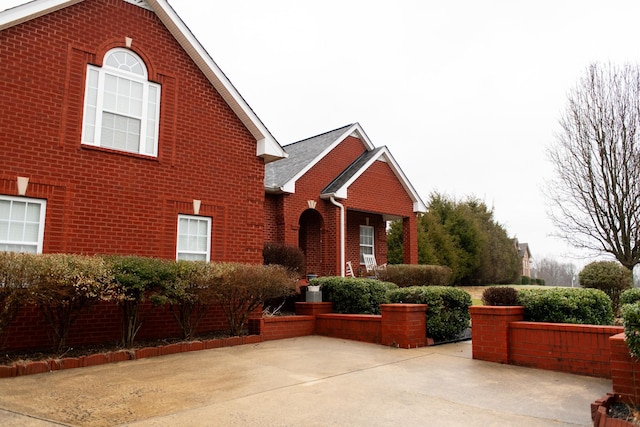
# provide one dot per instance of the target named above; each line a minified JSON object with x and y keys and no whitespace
{"x":410,"y":240}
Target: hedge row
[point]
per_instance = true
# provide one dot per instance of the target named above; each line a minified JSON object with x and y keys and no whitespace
{"x":352,"y":295}
{"x":62,"y":285}
{"x":582,"y":306}
{"x":405,"y":275}
{"x":447,"y":307}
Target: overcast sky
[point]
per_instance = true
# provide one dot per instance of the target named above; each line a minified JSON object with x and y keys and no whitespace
{"x":466,"y":94}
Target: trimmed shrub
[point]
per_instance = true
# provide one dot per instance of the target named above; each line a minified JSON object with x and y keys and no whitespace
{"x":631,"y":322}
{"x":525,"y":280}
{"x":581,"y":306}
{"x":243,"y":288}
{"x":15,"y":273}
{"x":500,"y":295}
{"x":447,"y":308}
{"x":609,"y":276}
{"x":353,"y":295}
{"x":62,"y":285}
{"x":405,"y":275}
{"x":288,"y":256}
{"x":136,"y":279}
{"x":630,"y":296}
{"x":189,"y":296}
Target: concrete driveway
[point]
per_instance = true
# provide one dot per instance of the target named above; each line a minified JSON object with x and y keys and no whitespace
{"x":309,"y":381}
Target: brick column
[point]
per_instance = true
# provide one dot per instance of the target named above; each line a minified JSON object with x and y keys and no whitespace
{"x":490,"y":331}
{"x":625,"y":371}
{"x":410,"y":240}
{"x":404,"y":325}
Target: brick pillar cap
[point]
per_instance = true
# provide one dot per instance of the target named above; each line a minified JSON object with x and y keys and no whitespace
{"x":403,"y":307}
{"x":504,"y":310}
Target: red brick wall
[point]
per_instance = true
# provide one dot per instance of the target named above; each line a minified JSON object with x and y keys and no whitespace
{"x":101,"y":201}
{"x":379,"y":190}
{"x":491,"y":331}
{"x":357,"y":327}
{"x":276,"y":328}
{"x":102,"y":324}
{"x":579,"y":349}
{"x":499,"y":335}
{"x":625,"y":371}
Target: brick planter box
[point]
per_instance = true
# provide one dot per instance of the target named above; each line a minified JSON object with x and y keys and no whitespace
{"x":599,"y":413}
{"x":501,"y":335}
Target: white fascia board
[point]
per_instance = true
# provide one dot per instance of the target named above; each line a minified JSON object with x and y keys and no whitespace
{"x":418,"y":204}
{"x":291,"y":184}
{"x":33,"y":9}
{"x":363,"y":136}
{"x":267,"y":146}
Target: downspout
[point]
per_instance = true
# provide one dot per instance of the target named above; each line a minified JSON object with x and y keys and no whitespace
{"x":342,"y":260}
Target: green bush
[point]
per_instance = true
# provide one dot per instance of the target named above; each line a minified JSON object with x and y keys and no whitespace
{"x":62,"y":285}
{"x":582,"y":306}
{"x":405,"y":275}
{"x":525,"y":280}
{"x":609,"y":276}
{"x":15,"y":272}
{"x":289,"y":256}
{"x":630,"y":296}
{"x":354,"y":295}
{"x":447,"y":308}
{"x":189,"y":296}
{"x":500,"y":295}
{"x":631,"y":322}
{"x":136,"y":279}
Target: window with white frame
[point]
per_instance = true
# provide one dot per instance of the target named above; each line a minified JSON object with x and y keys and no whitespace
{"x":366,"y":241}
{"x":194,"y":238}
{"x":21,"y":224}
{"x":121,"y":106}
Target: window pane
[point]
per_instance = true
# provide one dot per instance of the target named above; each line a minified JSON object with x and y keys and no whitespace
{"x":193,"y":237}
{"x":4,"y":230}
{"x":18,"y":211}
{"x":31,"y":232}
{"x":5,"y":208}
{"x":130,"y":96}
{"x":33,"y":212}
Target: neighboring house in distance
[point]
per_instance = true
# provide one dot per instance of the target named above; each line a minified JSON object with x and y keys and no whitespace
{"x":333,"y":196}
{"x":525,"y":257}
{"x":119,"y":134}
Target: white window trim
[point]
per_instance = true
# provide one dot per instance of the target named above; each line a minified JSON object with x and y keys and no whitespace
{"x":372,"y":246}
{"x":146,"y":84}
{"x":41,"y":221}
{"x":199,"y":218}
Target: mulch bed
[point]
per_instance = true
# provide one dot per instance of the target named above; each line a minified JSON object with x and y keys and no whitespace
{"x":12,"y":356}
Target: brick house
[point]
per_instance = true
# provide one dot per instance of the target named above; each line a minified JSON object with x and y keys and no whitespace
{"x":333,"y":195}
{"x":119,"y":134}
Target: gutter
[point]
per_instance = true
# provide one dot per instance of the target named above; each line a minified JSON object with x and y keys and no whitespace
{"x":342,"y":234}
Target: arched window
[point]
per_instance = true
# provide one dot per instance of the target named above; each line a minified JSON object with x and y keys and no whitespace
{"x":121,"y":106}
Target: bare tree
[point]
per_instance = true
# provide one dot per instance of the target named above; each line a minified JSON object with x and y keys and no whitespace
{"x":595,"y":194}
{"x":554,"y":273}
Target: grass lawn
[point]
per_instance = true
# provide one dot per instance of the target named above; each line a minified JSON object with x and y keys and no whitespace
{"x":476,"y":291}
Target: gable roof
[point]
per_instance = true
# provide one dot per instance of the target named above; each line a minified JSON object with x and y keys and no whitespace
{"x":339,"y":186}
{"x":281,"y":176}
{"x":523,"y":249}
{"x":267,"y":146}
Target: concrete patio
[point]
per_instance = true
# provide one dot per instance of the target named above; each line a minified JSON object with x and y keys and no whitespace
{"x":309,"y":381}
